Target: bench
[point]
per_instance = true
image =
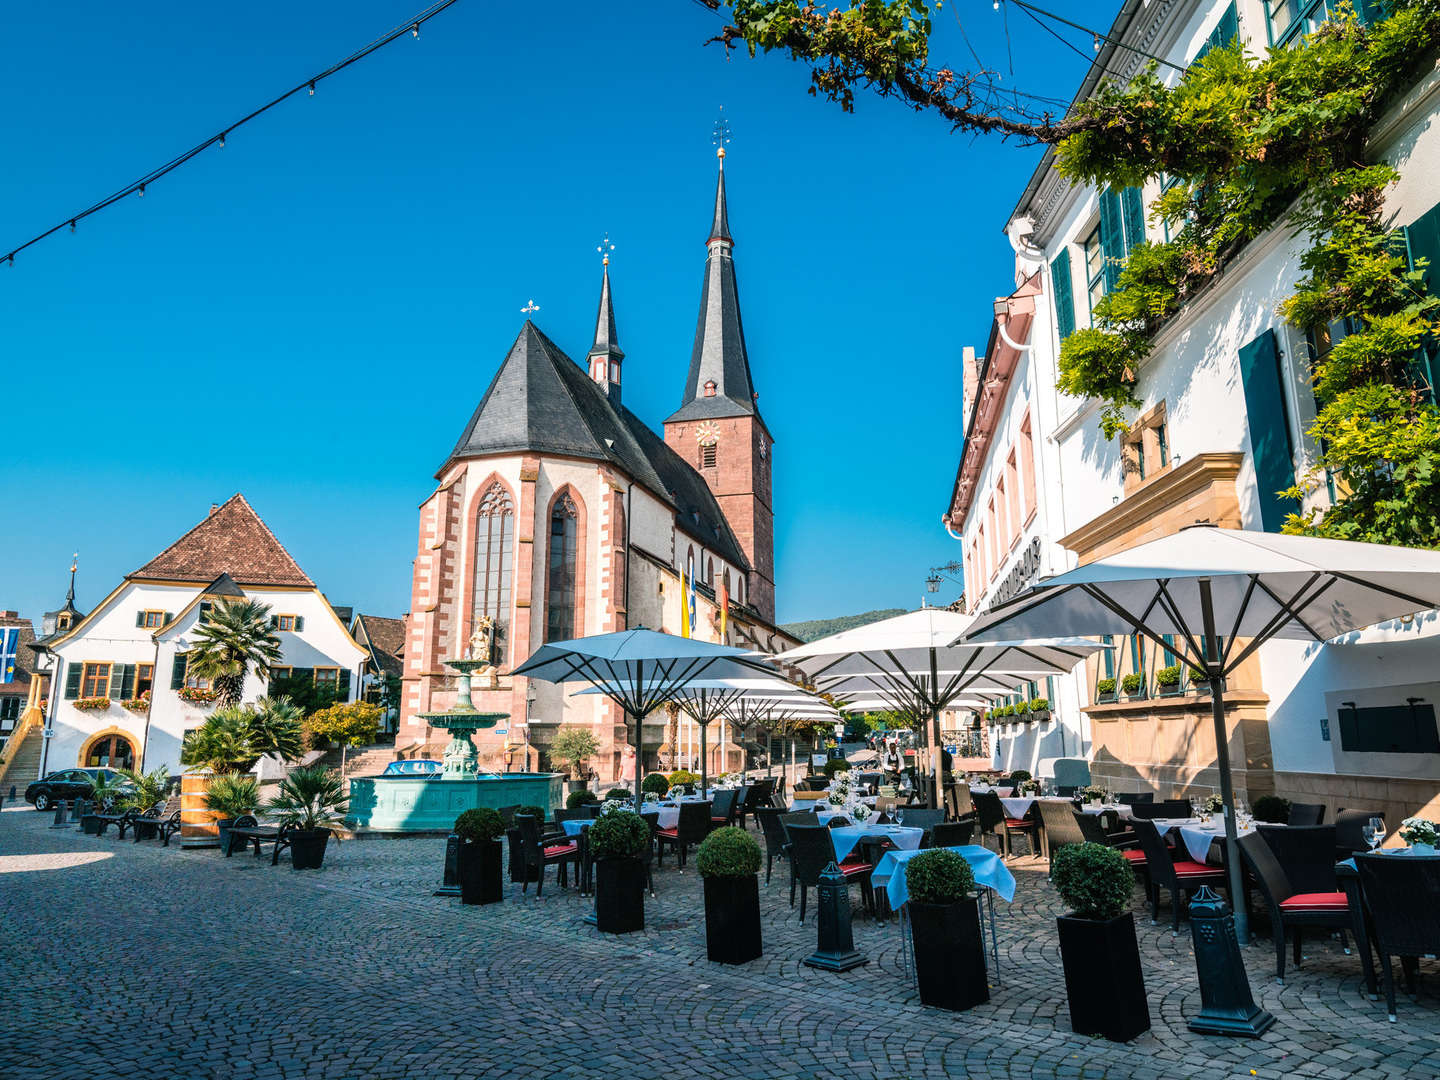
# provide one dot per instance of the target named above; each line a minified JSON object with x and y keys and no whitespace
{"x":121,"y":819}
{"x":247,"y":831}
{"x":162,"y":820}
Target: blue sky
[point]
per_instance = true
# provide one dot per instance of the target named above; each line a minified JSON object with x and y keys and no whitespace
{"x":310,"y":314}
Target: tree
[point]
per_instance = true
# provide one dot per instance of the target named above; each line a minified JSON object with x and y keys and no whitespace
{"x":305,"y":693}
{"x":571,"y":746}
{"x":355,"y":723}
{"x":233,"y":638}
{"x":275,"y":727}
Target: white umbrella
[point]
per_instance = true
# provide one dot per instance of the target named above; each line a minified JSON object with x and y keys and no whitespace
{"x":639,"y":670}
{"x":913,"y":661}
{"x":1207,"y":586}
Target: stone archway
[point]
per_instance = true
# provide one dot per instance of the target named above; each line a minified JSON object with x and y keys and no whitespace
{"x":113,"y":748}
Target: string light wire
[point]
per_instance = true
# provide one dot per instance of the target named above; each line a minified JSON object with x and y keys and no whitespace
{"x":409,"y":26}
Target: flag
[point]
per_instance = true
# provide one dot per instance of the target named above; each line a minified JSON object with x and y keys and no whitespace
{"x":9,"y":649}
{"x":684,"y":606}
{"x":724,"y":608}
{"x":690,"y":599}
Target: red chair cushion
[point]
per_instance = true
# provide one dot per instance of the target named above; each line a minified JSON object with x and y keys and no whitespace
{"x":718,"y":820}
{"x":1186,"y":868}
{"x":855,"y":868}
{"x":1135,"y":855}
{"x":1316,"y":901}
{"x":561,"y":849}
{"x":1018,"y":823}
{"x":672,"y":833}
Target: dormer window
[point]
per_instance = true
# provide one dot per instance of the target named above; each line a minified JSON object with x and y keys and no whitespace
{"x":62,"y":622}
{"x":709,"y":387}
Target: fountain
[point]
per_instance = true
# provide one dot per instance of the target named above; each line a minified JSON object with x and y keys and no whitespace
{"x":431,"y":803}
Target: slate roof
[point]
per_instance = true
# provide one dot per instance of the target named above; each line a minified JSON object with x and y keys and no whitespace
{"x":719,"y":353}
{"x":386,"y":638}
{"x":230,"y":540}
{"x":540,"y":400}
{"x":607,"y":341}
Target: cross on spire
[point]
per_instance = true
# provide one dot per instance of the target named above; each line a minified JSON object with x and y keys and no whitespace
{"x":604,"y":249}
{"x":720,"y":135}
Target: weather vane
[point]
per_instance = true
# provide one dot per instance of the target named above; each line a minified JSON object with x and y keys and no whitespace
{"x":721,"y":134}
{"x":528,"y":308}
{"x":604,"y":249}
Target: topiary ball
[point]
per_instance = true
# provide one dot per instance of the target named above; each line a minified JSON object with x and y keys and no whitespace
{"x":580,"y":798}
{"x":728,"y":852}
{"x":655,"y":782}
{"x":1095,"y":880}
{"x":1020,"y":774}
{"x":836,"y":765}
{"x":1272,"y":808}
{"x":620,"y":834}
{"x":480,"y":825}
{"x":939,"y":876}
{"x":619,"y":794}
{"x":537,"y":812}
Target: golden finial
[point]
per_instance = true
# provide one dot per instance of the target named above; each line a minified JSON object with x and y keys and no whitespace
{"x":720,"y":135}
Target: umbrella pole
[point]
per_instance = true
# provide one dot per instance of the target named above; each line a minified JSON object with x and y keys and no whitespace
{"x":1222,"y":758}
{"x":704,"y":764}
{"x":935,"y":759}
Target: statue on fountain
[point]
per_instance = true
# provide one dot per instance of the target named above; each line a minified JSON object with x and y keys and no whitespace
{"x":482,"y":647}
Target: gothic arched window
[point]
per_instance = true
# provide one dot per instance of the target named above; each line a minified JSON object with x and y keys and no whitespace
{"x":494,"y":557}
{"x":560,"y":614}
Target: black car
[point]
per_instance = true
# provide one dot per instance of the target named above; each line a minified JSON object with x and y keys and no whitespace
{"x":65,"y":784}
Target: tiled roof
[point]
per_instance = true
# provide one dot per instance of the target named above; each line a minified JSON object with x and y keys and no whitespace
{"x":387,"y":641}
{"x":231,"y":540}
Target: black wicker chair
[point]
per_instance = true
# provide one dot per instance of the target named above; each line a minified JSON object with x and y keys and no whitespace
{"x":1131,"y":798}
{"x":953,"y":833}
{"x":1170,"y":808}
{"x":777,"y":844}
{"x":1179,"y":876}
{"x":811,"y":851}
{"x":1403,"y":894}
{"x":1061,"y":826}
{"x":538,"y":855}
{"x":991,"y":813}
{"x":1291,"y":909}
{"x":691,"y":828}
{"x":1350,"y":831}
{"x":722,"y":809}
{"x":1306,"y":854}
{"x":1306,"y":813}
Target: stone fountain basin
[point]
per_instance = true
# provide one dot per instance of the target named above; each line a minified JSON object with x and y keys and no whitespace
{"x":399,"y":804}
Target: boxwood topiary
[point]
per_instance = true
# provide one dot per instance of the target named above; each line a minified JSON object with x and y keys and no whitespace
{"x":620,"y":794}
{"x":655,"y":782}
{"x":537,"y":811}
{"x":620,"y":834}
{"x":1095,"y":880}
{"x":1020,"y":774}
{"x":580,"y":798}
{"x":939,"y":876}
{"x":728,"y":852}
{"x":478,"y":826}
{"x":1105,"y":686}
{"x":836,"y":765}
{"x":1272,"y":808}
{"x":683,"y":776}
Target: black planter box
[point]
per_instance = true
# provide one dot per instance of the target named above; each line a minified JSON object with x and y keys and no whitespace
{"x":949,"y":954}
{"x":1103,"y":978}
{"x":223,"y":824}
{"x":619,"y":895}
{"x":517,"y":859}
{"x":307,"y":848}
{"x":90,"y":824}
{"x":481,"y":881}
{"x":732,"y":919}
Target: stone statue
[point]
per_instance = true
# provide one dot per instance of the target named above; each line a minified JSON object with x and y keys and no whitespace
{"x":482,"y":640}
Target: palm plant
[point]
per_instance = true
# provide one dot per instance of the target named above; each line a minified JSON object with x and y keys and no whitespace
{"x":232,"y":639}
{"x":222,"y":743}
{"x":311,"y":798}
{"x":231,"y":795}
{"x":275,"y":728}
{"x":149,"y":788}
{"x":105,"y":792}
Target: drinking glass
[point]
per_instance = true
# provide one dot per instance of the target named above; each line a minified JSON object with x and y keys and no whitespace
{"x":1374,"y":832}
{"x":899,"y":816}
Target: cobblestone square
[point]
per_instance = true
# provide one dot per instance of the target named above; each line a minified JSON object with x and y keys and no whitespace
{"x":125,"y":960}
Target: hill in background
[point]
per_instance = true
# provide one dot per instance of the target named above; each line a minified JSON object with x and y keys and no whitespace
{"x":818,"y":628}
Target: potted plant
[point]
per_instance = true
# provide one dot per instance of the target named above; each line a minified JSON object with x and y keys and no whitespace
{"x":138,"y":704}
{"x":1422,"y":835}
{"x":1105,"y":690}
{"x":570,"y":748}
{"x":1272,"y":809}
{"x":945,"y":930}
{"x":1167,"y":681}
{"x":577,"y":799}
{"x":1018,"y":777}
{"x":1092,"y":795}
{"x":105,"y":794}
{"x":1200,"y":682}
{"x":729,"y":861}
{"x":1133,"y":685}
{"x":684,"y":780}
{"x":655,"y":783}
{"x":231,"y":795}
{"x":1214,"y":805}
{"x":478,"y":860}
{"x":91,"y":704}
{"x":1098,"y":949}
{"x":313,"y":800}
{"x":619,"y":794}
{"x":143,"y":792}
{"x":1040,"y":708}
{"x":618,"y":839}
{"x":836,"y":765}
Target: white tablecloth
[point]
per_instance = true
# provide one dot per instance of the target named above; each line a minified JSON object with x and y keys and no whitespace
{"x":988,"y":869}
{"x":845,"y":837}
{"x":1118,"y":808}
{"x":670,"y":815}
{"x":1198,"y":837}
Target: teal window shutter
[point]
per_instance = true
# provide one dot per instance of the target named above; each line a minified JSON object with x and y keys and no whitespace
{"x":72,"y":681}
{"x":344,"y":684}
{"x":1132,"y":206}
{"x":299,"y":623}
{"x":1112,"y":236}
{"x":1271,"y":441}
{"x":139,"y":618}
{"x":1226,"y":31}
{"x":1422,"y":241}
{"x":177,"y":671}
{"x":1064,"y":295}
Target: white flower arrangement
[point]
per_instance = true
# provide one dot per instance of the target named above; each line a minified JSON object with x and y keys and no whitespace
{"x":1028,"y":787}
{"x":1214,"y":804}
{"x":1092,"y":793}
{"x":614,"y":806}
{"x":652,"y":796}
{"x":859,"y":812}
{"x":1419,"y":831}
{"x":838,"y":798}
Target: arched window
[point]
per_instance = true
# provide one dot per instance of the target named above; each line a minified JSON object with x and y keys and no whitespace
{"x":494,"y":558}
{"x":710,"y":572}
{"x":560,"y":618}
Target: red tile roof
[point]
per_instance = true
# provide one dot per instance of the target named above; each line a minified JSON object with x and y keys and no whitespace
{"x":231,"y":540}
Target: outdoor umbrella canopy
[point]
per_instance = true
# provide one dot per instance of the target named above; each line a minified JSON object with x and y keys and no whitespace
{"x":1214,"y":588}
{"x":913,"y":660}
{"x":640,"y":670}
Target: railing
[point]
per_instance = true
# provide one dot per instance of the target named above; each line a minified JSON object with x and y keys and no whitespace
{"x":30,"y":719}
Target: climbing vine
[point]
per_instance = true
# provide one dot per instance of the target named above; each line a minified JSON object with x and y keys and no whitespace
{"x":1242,"y":145}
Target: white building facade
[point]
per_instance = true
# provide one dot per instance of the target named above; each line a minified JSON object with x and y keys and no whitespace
{"x":1226,"y":402}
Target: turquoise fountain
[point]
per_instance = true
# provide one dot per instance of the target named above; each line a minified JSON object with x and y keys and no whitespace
{"x":399,"y":804}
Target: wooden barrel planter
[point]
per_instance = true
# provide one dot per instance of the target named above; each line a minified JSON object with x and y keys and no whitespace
{"x":198,"y":826}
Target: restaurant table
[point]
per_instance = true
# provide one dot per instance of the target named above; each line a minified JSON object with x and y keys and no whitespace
{"x":1119,"y":809}
{"x":1019,"y":806}
{"x":846,"y":837}
{"x":1198,"y":836}
{"x":1347,"y":876}
{"x":670,"y":812}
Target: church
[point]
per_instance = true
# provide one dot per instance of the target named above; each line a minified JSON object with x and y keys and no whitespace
{"x":560,"y":513}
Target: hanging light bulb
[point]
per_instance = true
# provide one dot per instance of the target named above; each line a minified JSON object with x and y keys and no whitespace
{"x":1097,"y":42}
{"x":996,"y":5}
{"x":222,"y":140}
{"x":312,"y":87}
{"x":142,"y":191}
{"x":72,"y":224}
{"x":415,"y":30}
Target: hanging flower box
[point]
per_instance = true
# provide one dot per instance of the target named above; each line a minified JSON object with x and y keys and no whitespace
{"x":138,"y":705}
{"x":92,"y":704}
{"x":1104,"y":691}
{"x":198,"y":696}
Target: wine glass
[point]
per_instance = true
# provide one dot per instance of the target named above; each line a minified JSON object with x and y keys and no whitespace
{"x":1374,"y":832}
{"x":899,"y":816}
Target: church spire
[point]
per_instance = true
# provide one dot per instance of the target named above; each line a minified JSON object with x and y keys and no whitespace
{"x":605,"y":354}
{"x":720,"y":227}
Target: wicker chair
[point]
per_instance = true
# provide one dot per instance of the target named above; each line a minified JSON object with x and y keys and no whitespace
{"x":1403,"y":894}
{"x":811,"y":851}
{"x":953,"y":833}
{"x":538,"y":855}
{"x":1180,"y":876}
{"x":691,"y":828}
{"x":1350,"y":831}
{"x":1131,"y":798}
{"x":1305,"y":813}
{"x":1170,"y":808}
{"x":1290,"y":908}
{"x":1306,"y":854}
{"x":777,"y":844}
{"x":991,"y":812}
{"x":722,"y":810}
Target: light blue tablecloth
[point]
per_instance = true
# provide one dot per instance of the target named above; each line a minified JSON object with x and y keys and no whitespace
{"x":845,"y":837}
{"x":574,"y":827}
{"x":989,"y":871}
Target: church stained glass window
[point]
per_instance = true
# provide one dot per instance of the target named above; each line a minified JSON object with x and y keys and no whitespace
{"x":560,"y":613}
{"x":494,"y":551}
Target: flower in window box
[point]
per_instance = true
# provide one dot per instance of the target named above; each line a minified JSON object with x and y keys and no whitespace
{"x":138,"y":704}
{"x":92,"y":704}
{"x":198,"y":695}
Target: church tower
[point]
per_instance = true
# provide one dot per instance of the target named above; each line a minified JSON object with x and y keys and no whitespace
{"x":605,"y":356}
{"x":718,"y":428}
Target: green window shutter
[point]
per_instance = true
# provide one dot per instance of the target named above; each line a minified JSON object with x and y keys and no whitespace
{"x":1064,"y":295}
{"x":122,"y":682}
{"x":1112,"y":236}
{"x":344,"y":684}
{"x":1226,"y":31}
{"x":177,"y":672}
{"x":299,"y":623}
{"x":274,"y":621}
{"x":139,"y":618}
{"x":205,"y":606}
{"x":302,"y":673}
{"x":1422,"y":241}
{"x":1132,"y":205}
{"x":169,"y":617}
{"x":1109,"y":655}
{"x":72,"y":681}
{"x":1271,"y":441}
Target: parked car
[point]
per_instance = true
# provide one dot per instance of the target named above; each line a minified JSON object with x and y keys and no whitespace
{"x":65,"y":784}
{"x":414,"y":767}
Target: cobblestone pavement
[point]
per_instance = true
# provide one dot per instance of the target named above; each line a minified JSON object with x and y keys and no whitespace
{"x":124,"y":960}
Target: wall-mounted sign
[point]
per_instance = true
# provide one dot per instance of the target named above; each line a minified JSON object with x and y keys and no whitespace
{"x":1020,"y":575}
